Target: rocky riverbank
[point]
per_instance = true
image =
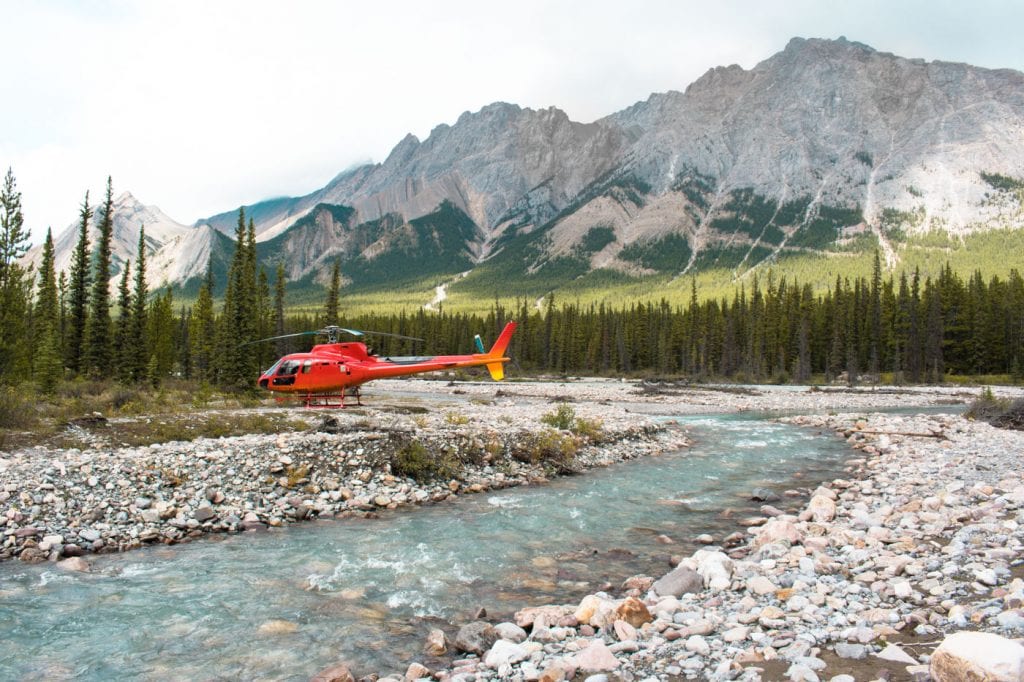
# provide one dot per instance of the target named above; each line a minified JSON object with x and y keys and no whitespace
{"x":922,"y":539}
{"x":56,"y":504}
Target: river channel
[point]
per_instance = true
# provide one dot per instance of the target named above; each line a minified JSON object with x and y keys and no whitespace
{"x":286,"y":603}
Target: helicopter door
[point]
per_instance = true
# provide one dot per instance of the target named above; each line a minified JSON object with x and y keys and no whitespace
{"x":286,"y":373}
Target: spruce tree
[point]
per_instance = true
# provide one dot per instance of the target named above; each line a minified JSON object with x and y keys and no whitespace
{"x":161,"y":333}
{"x":123,"y":345}
{"x":99,"y":347}
{"x":279,"y":290}
{"x":50,"y":362}
{"x":78,"y":293}
{"x":15,"y":285}
{"x":139,"y":360}
{"x":202,"y":330}
{"x":875,"y":315}
{"x":333,"y":292}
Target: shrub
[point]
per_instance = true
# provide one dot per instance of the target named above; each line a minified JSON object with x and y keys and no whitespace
{"x":987,"y":406}
{"x":456,"y":419}
{"x":548,"y":447}
{"x":565,"y":419}
{"x":15,"y":409}
{"x":562,"y":418}
{"x":590,"y":429}
{"x":413,"y":460}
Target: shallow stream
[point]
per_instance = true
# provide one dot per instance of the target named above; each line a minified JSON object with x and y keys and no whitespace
{"x":286,"y":603}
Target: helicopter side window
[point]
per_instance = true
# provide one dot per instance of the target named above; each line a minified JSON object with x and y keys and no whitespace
{"x":306,"y":366}
{"x":288,"y":368}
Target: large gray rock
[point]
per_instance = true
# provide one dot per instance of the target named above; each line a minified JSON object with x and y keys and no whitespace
{"x":678,"y":582}
{"x":476,"y":637}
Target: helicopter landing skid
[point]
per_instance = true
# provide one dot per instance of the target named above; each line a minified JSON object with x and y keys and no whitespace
{"x":330,"y":400}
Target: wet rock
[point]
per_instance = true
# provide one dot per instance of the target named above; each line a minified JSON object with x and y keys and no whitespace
{"x":977,"y":656}
{"x":278,"y":627}
{"x":76,"y":564}
{"x":681,"y":580}
{"x":476,"y":637}
{"x":339,"y":672}
{"x":416,"y":671}
{"x":436,"y":643}
{"x":764,"y":495}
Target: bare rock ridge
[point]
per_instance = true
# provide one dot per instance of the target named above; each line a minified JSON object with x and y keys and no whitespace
{"x":823,"y":140}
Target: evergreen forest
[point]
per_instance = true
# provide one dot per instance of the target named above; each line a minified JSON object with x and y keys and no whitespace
{"x":890,"y":327}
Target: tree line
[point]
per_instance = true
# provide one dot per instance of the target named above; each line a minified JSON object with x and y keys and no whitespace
{"x":912,"y":329}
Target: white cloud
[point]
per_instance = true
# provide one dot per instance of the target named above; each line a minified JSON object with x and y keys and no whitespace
{"x":198,"y":107}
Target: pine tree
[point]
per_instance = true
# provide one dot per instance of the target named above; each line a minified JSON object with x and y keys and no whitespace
{"x":123,"y":345}
{"x":50,"y":362}
{"x":238,"y":320}
{"x":202,"y":330}
{"x":78,"y":293}
{"x":875,"y":314}
{"x":333,"y":292}
{"x":15,"y":285}
{"x":99,"y":348}
{"x":162,"y":332}
{"x":139,"y":360}
{"x":279,"y":290}
{"x":264,"y":316}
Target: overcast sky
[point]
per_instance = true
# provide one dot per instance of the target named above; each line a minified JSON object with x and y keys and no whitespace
{"x":199,"y":107}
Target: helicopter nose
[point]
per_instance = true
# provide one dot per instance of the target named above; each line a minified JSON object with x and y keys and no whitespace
{"x":263,"y":382}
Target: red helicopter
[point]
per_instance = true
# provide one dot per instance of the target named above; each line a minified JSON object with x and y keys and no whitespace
{"x":330,"y":371}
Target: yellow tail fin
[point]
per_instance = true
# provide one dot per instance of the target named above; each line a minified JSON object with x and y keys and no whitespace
{"x":497,"y":370}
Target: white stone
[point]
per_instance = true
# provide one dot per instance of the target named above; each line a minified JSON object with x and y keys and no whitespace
{"x":504,"y":652}
{"x":978,"y":656}
{"x":893,"y":653}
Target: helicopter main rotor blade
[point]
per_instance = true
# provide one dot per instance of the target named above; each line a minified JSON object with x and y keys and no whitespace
{"x":274,"y":338}
{"x":359,"y":332}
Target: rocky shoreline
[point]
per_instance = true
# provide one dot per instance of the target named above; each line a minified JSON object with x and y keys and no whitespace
{"x":923,"y":539}
{"x":60,"y":505}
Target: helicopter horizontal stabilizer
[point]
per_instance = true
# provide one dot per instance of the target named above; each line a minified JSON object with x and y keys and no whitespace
{"x":497,"y":370}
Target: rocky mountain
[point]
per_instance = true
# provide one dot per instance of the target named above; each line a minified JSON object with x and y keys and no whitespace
{"x":820,"y":143}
